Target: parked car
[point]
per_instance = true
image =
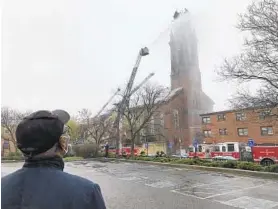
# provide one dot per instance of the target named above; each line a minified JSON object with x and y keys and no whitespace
{"x":180,"y":156}
{"x":223,"y":158}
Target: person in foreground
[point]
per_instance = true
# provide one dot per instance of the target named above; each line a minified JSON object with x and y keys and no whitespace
{"x":41,"y":183}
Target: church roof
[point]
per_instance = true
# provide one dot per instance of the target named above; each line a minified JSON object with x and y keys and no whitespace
{"x":173,"y":93}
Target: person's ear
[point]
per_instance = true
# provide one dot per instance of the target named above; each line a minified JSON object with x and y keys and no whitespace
{"x":63,"y":143}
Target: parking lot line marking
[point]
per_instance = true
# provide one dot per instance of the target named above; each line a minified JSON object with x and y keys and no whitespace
{"x":189,"y":195}
{"x":198,"y":185}
{"x":203,"y":193}
{"x":237,"y":190}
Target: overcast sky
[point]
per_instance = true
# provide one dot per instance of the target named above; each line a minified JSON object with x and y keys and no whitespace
{"x":73,"y":54}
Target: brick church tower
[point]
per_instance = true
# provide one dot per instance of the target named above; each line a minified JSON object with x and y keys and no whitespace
{"x":185,"y":74}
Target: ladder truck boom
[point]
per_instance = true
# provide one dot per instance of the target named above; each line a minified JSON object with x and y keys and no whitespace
{"x":121,"y":108}
{"x":141,"y":84}
{"x":142,"y":52}
{"x":135,"y":89}
{"x":105,"y":105}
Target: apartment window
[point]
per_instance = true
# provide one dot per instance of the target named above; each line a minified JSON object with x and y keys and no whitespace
{"x":207,"y":133}
{"x":242,"y":131}
{"x":240,"y":116}
{"x":176,"y":119}
{"x":264,"y":114}
{"x":223,"y":131}
{"x":266,"y":131}
{"x":206,"y":120}
{"x":221,"y":117}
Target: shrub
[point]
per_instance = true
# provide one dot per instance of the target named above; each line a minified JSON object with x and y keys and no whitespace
{"x":185,"y":161}
{"x":271,"y":168}
{"x":69,"y":159}
{"x":162,"y":159}
{"x":215,"y":164}
{"x":202,"y":162}
{"x":249,"y":166}
{"x":229,"y":164}
{"x":124,"y":154}
{"x":85,"y":150}
{"x":160,"y":154}
{"x":111,"y":155}
{"x":14,"y":156}
{"x":144,"y":158}
{"x":142,"y":153}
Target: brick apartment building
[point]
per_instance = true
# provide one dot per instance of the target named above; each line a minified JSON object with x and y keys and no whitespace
{"x":239,"y":126}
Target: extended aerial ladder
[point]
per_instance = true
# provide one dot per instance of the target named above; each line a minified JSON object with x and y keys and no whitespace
{"x":122,"y":105}
{"x":105,"y":105}
{"x":134,"y":90}
{"x":141,"y":84}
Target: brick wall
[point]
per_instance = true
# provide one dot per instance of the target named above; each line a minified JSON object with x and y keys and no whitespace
{"x":251,"y":121}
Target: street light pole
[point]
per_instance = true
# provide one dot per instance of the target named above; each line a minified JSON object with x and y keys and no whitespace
{"x":180,"y":147}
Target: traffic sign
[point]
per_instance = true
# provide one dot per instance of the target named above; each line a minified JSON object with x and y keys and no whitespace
{"x":170,"y":145}
{"x":251,"y":142}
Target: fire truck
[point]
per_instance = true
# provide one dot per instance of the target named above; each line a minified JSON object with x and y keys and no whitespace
{"x":231,"y":149}
{"x":265,"y":155}
{"x":125,"y":151}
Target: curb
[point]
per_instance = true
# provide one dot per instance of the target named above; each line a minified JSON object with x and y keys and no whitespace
{"x":265,"y":175}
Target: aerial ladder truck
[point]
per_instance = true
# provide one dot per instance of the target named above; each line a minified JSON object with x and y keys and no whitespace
{"x":124,"y":102}
{"x":133,"y":90}
{"x":105,"y":105}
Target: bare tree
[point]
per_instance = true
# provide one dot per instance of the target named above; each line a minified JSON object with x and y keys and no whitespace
{"x":142,"y":107}
{"x":10,"y":118}
{"x":84,"y":118}
{"x":259,"y":59}
{"x":96,"y":128}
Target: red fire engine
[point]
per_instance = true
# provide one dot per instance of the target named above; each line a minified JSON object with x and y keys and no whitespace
{"x":265,"y":155}
{"x":221,"y":149}
{"x":125,"y":150}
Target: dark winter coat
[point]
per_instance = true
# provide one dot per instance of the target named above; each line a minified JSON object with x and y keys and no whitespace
{"x":42,"y":184}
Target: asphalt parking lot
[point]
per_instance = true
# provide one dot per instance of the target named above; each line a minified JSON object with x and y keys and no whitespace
{"x":132,"y":185}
